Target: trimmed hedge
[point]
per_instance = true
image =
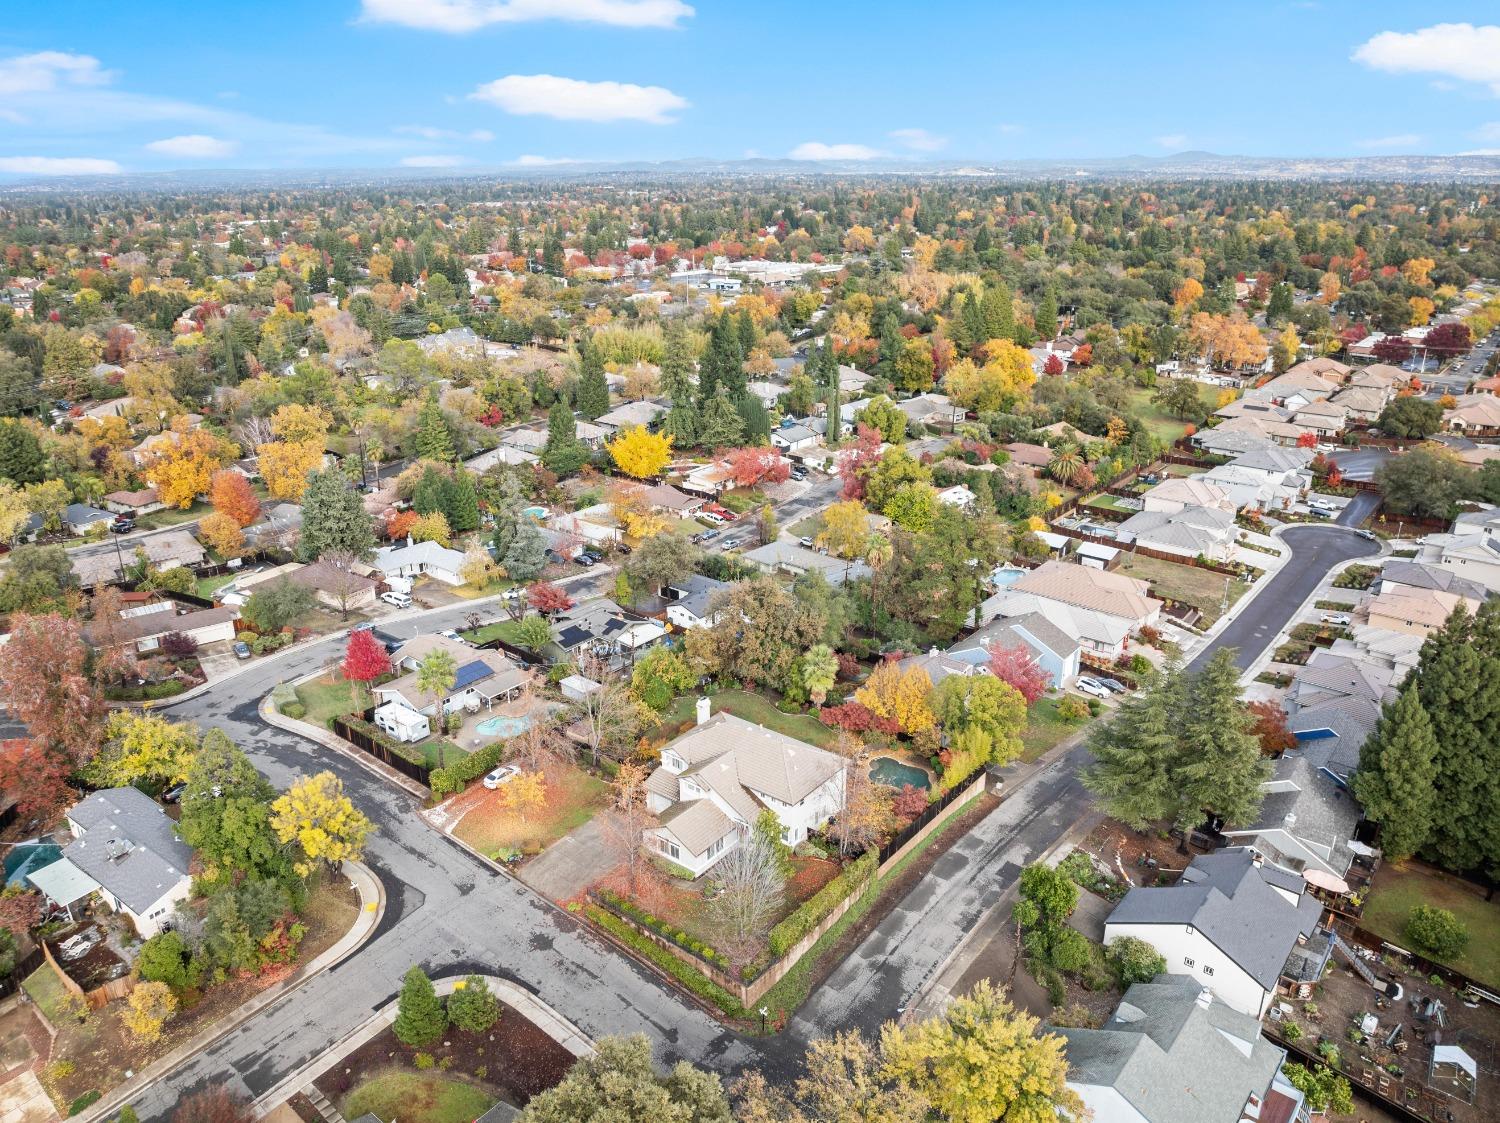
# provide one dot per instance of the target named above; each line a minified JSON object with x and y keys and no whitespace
{"x":294,"y":710}
{"x":380,"y":737}
{"x":151,"y":691}
{"x":456,"y":777}
{"x":634,"y":912}
{"x":811,"y":912}
{"x":694,"y":981}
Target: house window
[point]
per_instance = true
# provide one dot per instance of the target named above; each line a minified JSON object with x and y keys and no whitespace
{"x":666,"y":847}
{"x":1187,"y":962}
{"x":1207,"y":970}
{"x":716,"y":848}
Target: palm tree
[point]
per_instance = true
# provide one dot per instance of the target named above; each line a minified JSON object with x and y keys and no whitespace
{"x":436,"y":674}
{"x":1066,"y":465}
{"x":820,"y":669}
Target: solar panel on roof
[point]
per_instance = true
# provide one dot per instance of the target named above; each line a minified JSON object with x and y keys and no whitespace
{"x":471,"y":673}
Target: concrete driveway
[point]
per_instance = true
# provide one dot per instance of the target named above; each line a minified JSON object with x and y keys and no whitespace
{"x":571,"y":864}
{"x":1315,"y":551}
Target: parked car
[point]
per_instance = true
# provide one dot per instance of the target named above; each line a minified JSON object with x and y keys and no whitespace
{"x":805,"y":541}
{"x":1369,"y":534}
{"x":1092,"y":686}
{"x":122,"y":524}
{"x":1321,"y":505}
{"x":1337,"y":618}
{"x":1114,"y":685}
{"x":396,"y":600}
{"x":500,"y":776}
{"x":1320,"y":512}
{"x":799,"y":474}
{"x":174,"y":793}
{"x":711,"y":517}
{"x":708,"y":536}
{"x":241,"y":650}
{"x":449,"y":633}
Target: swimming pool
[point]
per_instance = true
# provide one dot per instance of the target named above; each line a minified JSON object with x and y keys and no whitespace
{"x":537,"y":513}
{"x":28,"y":857}
{"x":892,"y":773}
{"x":1006,"y":576}
{"x":503,"y":726}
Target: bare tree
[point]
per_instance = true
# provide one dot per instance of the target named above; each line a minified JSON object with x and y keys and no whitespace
{"x":609,"y":716}
{"x":626,"y":823}
{"x":866,"y":816}
{"x":537,"y":748}
{"x":340,"y":581}
{"x":753,"y":889}
{"x":253,"y":432}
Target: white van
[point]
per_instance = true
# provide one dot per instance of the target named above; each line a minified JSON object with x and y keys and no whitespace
{"x":396,"y":600}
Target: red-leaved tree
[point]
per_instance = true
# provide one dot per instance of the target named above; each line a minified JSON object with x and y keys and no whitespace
{"x":1392,"y":349}
{"x":1308,"y":439}
{"x":232,"y":495}
{"x":752,"y":466}
{"x":1054,"y":365}
{"x":365,"y":659}
{"x":1270,"y":728}
{"x":858,"y":460}
{"x":909,"y":802}
{"x":212,"y":1105}
{"x":548,"y":598}
{"x":20,"y":912}
{"x":1018,"y":667}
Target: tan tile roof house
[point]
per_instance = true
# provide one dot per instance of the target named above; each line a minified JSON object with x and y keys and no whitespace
{"x":1094,"y":589}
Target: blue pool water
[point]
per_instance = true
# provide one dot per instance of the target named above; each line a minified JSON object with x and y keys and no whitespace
{"x":892,"y":773}
{"x":28,"y":857}
{"x":537,"y":513}
{"x":503,"y":726}
{"x":1006,"y":576}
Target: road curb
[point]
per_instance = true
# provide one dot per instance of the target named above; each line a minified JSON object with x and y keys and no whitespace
{"x":309,"y":732}
{"x":372,"y":902}
{"x":533,"y":1009}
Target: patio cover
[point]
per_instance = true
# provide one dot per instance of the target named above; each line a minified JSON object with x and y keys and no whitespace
{"x":1324,"y":880}
{"x":62,"y":882}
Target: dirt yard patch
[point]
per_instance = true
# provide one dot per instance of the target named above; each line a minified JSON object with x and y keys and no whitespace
{"x":485,"y":823}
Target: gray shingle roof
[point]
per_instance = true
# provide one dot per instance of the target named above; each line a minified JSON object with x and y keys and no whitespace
{"x":1227,"y":898}
{"x":128,"y":846}
{"x":1172,"y":1059}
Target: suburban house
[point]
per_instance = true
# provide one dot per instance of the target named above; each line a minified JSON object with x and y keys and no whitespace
{"x":145,"y":625}
{"x":931,"y":409}
{"x":420,"y":559}
{"x":126,"y":850}
{"x":688,"y":600}
{"x":482,"y":678}
{"x":667,"y":500}
{"x":500,"y":454}
{"x":789,"y":557}
{"x":1190,"y":532}
{"x":1362,"y":403}
{"x":1266,"y":478}
{"x":1054,"y":650}
{"x":1032,"y":456}
{"x":345,"y":590}
{"x":1336,"y":697}
{"x":135,"y":503}
{"x":1471,"y":550}
{"x":795,"y":438}
{"x":409,"y":656}
{"x":166,"y":550}
{"x":1295,"y":389}
{"x":601,"y":627}
{"x":717,"y":779}
{"x":1232,"y":923}
{"x":1172,"y":495}
{"x":1096,"y":608}
{"x":938,"y":665}
{"x":958,"y":496}
{"x":1173,"y":1053}
{"x":1473,"y":413}
{"x":709,"y":479}
{"x":277,"y":528}
{"x":1414,"y":576}
{"x":80,"y":518}
{"x":1417,"y":612}
{"x":643,"y":414}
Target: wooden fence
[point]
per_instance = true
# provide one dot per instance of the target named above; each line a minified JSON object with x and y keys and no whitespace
{"x":24,"y":967}
{"x":1147,"y":552}
{"x":366,"y":743}
{"x":96,"y":998}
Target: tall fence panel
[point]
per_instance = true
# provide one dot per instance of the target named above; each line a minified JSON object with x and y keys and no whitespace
{"x":366,"y":743}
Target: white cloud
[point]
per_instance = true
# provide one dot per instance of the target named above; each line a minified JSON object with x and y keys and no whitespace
{"x":1398,"y":140}
{"x":459,"y":16}
{"x":1456,"y":50}
{"x":1009,"y":128}
{"x":1481,"y":152}
{"x":919,"y":140}
{"x":431,"y":161}
{"x":1172,"y":140}
{"x":427,"y":132}
{"x":817,"y":150}
{"x":194,"y":146}
{"x":542,"y":161}
{"x":57,"y":165}
{"x":568,"y":99}
{"x":50,"y":70}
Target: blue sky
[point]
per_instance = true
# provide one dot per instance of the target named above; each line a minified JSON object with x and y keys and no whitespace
{"x":494,"y":83}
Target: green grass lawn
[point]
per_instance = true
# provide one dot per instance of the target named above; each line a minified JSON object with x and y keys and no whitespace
{"x":760,"y":710}
{"x":1181,"y":470}
{"x":451,"y":751}
{"x":326,"y":697}
{"x":1202,"y":588}
{"x":1113,"y":502}
{"x":172,"y":516}
{"x":208,"y":586}
{"x":501,"y":629}
{"x":1162,"y":424}
{"x":46,"y":991}
{"x":1397,"y":889}
{"x":1044,"y":728}
{"x":810,"y":527}
{"x":416,"y":1097}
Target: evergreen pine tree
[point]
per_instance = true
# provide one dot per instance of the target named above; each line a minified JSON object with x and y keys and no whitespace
{"x":593,"y":390}
{"x":756,"y":420}
{"x":527,"y":555}
{"x":1136,"y":750}
{"x":835,"y":402}
{"x":982,"y":240}
{"x":473,"y":1007}
{"x":1219,"y":768}
{"x":461,"y":502}
{"x":552,"y":254}
{"x":334,"y":518}
{"x":681,"y":424}
{"x":563,"y":452}
{"x":420,"y":1019}
{"x":433,"y":440}
{"x":677,"y":367}
{"x":891,"y":343}
{"x":723,"y":363}
{"x":745,"y":329}
{"x":999,"y":315}
{"x":719,"y":424}
{"x":1046,"y":315}
{"x":1397,"y":770}
{"x":428,"y":496}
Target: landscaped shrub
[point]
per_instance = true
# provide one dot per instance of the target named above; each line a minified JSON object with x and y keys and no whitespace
{"x":812,"y":911}
{"x":294,"y":710}
{"x":420,"y":1018}
{"x":88,"y":1099}
{"x":151,"y":691}
{"x":695,"y":981}
{"x":633,"y":911}
{"x":472,"y":1006}
{"x":1436,"y":932}
{"x":456,"y":776}
{"x":1134,"y":960}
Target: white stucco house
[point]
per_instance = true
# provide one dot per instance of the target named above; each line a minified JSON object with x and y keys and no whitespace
{"x":715,"y":780}
{"x":421,"y":559}
{"x":688,"y":600}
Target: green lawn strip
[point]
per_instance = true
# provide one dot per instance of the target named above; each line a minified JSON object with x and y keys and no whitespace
{"x":1201,"y":588}
{"x":451,"y":751}
{"x":172,"y":516}
{"x":760,"y":710}
{"x":208,"y":586}
{"x":1161,"y":424}
{"x":1045,"y":728}
{"x":791,"y":991}
{"x":505,"y":630}
{"x":1397,"y":891}
{"x":417,"y":1098}
{"x":325,"y":700}
{"x":695,"y":981}
{"x":46,"y":991}
{"x":810,"y":527}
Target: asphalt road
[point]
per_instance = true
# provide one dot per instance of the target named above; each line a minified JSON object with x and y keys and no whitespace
{"x":452,"y":913}
{"x":1315,"y":551}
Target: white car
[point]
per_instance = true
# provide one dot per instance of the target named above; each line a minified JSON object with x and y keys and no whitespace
{"x":396,"y":600}
{"x":1336,"y":618}
{"x":710,"y":517}
{"x":1091,"y":686}
{"x":500,"y":776}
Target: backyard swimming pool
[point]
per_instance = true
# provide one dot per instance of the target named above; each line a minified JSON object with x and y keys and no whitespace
{"x":1006,"y":576}
{"x":503,"y":726}
{"x":28,"y":857}
{"x":892,"y":773}
{"x":537,"y":513}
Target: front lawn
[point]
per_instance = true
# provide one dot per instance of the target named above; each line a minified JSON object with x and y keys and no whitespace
{"x":503,"y":630}
{"x":208,"y":586}
{"x":810,"y":527}
{"x":1398,"y":888}
{"x":572,"y":798}
{"x":1046,"y":728}
{"x":758,"y":709}
{"x":1158,"y":421}
{"x":328,"y":697}
{"x":1111,"y":502}
{"x":172,"y":516}
{"x":416,"y":1097}
{"x":1201,"y":588}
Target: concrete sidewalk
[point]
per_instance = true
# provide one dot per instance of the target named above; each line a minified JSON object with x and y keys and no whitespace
{"x":371,"y":908}
{"x":533,"y":1009}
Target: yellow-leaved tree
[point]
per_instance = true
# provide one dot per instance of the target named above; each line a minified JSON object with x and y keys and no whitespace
{"x":315,"y":814}
{"x":147,"y":1010}
{"x":222,"y":535}
{"x":142,"y":747}
{"x":181,"y":466}
{"x":982,"y":1060}
{"x":846,"y":529}
{"x":640,"y":453}
{"x":284,"y":465}
{"x":524,"y":794}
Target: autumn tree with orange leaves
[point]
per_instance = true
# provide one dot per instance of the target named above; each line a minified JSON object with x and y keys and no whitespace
{"x":231,"y":495}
